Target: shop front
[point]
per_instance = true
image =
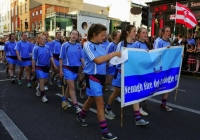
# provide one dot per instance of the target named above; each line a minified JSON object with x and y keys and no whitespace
{"x":163,"y":14}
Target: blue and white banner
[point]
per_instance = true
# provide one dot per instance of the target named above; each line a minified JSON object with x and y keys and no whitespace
{"x":146,"y":74}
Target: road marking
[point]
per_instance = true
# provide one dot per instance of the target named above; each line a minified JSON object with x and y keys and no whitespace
{"x":12,"y":129}
{"x":5,"y":70}
{"x":182,"y":90}
{"x":177,"y":106}
{"x":9,"y":79}
{"x":91,"y":109}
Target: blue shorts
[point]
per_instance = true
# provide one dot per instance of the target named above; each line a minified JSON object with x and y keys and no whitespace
{"x":94,"y":88}
{"x":117,"y":80}
{"x":111,"y":70}
{"x":69,"y":75}
{"x":56,"y":62}
{"x":41,"y":75}
{"x":11,"y":61}
{"x":24,"y":63}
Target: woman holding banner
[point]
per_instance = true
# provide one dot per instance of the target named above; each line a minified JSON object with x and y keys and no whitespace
{"x":164,"y":42}
{"x":126,"y":41}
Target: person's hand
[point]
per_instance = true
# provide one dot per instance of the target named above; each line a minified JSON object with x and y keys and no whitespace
{"x":168,"y":47}
{"x":61,"y":74}
{"x":20,"y":59}
{"x":33,"y":70}
{"x":118,"y":54}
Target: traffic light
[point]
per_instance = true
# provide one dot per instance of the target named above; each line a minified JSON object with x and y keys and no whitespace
{"x":144,"y":15}
{"x":26,"y":25}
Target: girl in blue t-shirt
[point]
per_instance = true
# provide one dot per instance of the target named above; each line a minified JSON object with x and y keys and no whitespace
{"x":164,"y":42}
{"x":11,"y":55}
{"x":110,"y":72}
{"x":41,"y":57}
{"x":55,"y":49}
{"x":23,"y":51}
{"x":71,"y":59}
{"x":126,"y":40}
{"x":95,"y":59}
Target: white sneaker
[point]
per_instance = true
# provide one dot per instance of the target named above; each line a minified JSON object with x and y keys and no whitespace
{"x":110,"y":113}
{"x":46,"y":88}
{"x":143,"y":113}
{"x":68,"y":104}
{"x":118,"y":99}
{"x":78,"y":110}
{"x":38,"y":85}
{"x":44,"y":99}
{"x":38,"y":93}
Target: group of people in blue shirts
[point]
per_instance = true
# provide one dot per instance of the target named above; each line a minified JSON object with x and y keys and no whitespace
{"x":92,"y":59}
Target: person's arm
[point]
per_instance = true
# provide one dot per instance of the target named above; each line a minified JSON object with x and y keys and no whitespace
{"x":105,"y":58}
{"x":33,"y":66}
{"x":82,"y":61}
{"x":17,"y":48}
{"x":52,"y":61}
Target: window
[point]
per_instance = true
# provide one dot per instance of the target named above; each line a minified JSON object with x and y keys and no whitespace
{"x":36,"y":26}
{"x":33,"y":14}
{"x":16,"y":10}
{"x":12,"y":27}
{"x":36,"y":13}
{"x":21,"y":8}
{"x":33,"y":27}
{"x":40,"y":25}
{"x":40,"y":11}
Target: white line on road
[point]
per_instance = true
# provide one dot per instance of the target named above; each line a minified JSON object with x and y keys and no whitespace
{"x":5,"y":70}
{"x":9,"y":79}
{"x":182,"y":90}
{"x":91,"y":109}
{"x":177,"y":106}
{"x":12,"y":129}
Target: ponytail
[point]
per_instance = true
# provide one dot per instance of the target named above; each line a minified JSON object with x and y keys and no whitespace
{"x":124,"y":34}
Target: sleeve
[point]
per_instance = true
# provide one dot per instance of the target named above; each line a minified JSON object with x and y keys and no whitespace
{"x":136,"y":45}
{"x":34,"y":53}
{"x":90,"y":51}
{"x":159,"y":44}
{"x":119,"y":47}
{"x":51,"y":46}
{"x":193,"y":41}
{"x":108,"y":48}
{"x":62,"y":52}
{"x":17,"y":47}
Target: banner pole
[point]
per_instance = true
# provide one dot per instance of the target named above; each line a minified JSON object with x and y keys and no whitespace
{"x":176,"y":94}
{"x":122,"y":116}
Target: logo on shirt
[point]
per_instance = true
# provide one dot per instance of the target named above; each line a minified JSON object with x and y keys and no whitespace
{"x":158,"y":65}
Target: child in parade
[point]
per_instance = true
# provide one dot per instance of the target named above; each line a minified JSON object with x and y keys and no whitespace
{"x":95,"y":59}
{"x":111,"y":69}
{"x":23,"y":51}
{"x":142,"y":44}
{"x":70,"y":60}
{"x":40,"y":64}
{"x":164,"y":42}
{"x":197,"y":56}
{"x":11,"y":55}
{"x":126,"y":40}
{"x":55,"y":49}
{"x":191,"y":58}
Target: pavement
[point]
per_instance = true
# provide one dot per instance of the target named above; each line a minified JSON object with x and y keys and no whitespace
{"x":24,"y":116}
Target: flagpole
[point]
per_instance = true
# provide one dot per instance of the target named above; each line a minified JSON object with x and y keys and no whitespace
{"x":181,"y":62}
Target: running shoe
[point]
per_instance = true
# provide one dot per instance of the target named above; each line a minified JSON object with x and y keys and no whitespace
{"x":14,"y":76}
{"x":82,"y":93}
{"x":12,"y":80}
{"x":108,"y":136}
{"x":143,"y":113}
{"x":29,"y":85}
{"x":68,"y":103}
{"x":38,"y":93}
{"x":51,"y":81}
{"x":44,"y":99}
{"x":141,"y":122}
{"x":59,"y":84}
{"x":56,"y":77}
{"x":118,"y":99}
{"x":46,"y":88}
{"x":110,"y":113}
{"x":81,"y":121}
{"x":19,"y":82}
{"x":78,"y":110}
{"x":166,"y":108}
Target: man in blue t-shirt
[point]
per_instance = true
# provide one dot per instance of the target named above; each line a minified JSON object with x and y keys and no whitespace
{"x":190,"y":40}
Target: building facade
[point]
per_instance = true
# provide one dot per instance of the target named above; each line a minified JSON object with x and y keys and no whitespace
{"x":5,"y":19}
{"x":163,"y":14}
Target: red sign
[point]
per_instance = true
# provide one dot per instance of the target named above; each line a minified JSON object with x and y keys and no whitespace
{"x":161,"y":8}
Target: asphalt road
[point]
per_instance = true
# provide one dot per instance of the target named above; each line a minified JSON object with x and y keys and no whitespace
{"x":48,"y":121}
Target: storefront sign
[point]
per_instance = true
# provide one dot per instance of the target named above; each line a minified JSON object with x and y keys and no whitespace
{"x":172,"y":17}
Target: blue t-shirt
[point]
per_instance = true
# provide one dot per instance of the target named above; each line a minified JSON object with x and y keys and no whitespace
{"x":55,"y":47}
{"x":48,"y":44}
{"x":119,"y":47}
{"x":24,"y":48}
{"x":111,"y":48}
{"x":42,"y":55}
{"x":155,"y":45}
{"x":105,"y":44}
{"x":71,"y":54}
{"x":91,"y":51}
{"x":191,"y":41}
{"x":10,"y":48}
{"x":141,"y":45}
{"x":163,"y":43}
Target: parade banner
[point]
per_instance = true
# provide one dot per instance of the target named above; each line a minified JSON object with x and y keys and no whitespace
{"x":147,"y":74}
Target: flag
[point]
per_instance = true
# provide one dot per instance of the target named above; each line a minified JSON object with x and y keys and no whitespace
{"x":185,"y":16}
